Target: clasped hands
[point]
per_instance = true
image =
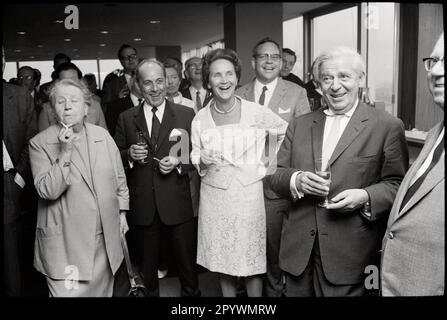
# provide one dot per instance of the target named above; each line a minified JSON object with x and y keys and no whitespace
{"x":346,"y":201}
{"x":166,"y":164}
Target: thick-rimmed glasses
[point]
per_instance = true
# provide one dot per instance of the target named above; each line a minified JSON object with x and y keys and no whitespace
{"x":129,"y":57}
{"x":429,"y":63}
{"x":265,"y":56}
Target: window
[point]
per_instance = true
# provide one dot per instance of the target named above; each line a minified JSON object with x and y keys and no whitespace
{"x":106,"y":66}
{"x":293,"y":39}
{"x":381,"y":54}
{"x":338,"y":28}
{"x":200,"y":52}
{"x":10,"y":71}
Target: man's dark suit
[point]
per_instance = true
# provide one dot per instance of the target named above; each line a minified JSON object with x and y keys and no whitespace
{"x":294,"y":78}
{"x":115,"y":108}
{"x":111,"y":88}
{"x":160,"y":203}
{"x":371,"y":154}
{"x":19,"y":125}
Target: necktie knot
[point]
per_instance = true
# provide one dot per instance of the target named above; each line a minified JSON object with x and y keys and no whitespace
{"x":154,"y":109}
{"x":140,"y":101}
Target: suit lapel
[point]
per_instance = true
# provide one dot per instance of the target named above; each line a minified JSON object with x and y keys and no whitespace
{"x":355,"y":125}
{"x":277,"y":96}
{"x":317,"y":130}
{"x":167,"y":124}
{"x":430,"y":181}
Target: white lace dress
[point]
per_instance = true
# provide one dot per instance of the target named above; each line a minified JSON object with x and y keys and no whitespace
{"x":232,"y":223}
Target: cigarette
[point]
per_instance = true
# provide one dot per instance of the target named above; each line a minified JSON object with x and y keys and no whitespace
{"x":158,"y":160}
{"x":65,"y":126}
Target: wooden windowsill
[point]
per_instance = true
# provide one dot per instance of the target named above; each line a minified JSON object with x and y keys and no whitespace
{"x":415,"y":136}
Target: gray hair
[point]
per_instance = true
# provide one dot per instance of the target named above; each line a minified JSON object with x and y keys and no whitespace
{"x":335,"y":52}
{"x":149,"y":61}
{"x":80,"y":84}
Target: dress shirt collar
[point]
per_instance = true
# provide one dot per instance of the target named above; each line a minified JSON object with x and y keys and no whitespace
{"x":348,"y":114}
{"x":160,"y":109}
{"x":270,"y":86}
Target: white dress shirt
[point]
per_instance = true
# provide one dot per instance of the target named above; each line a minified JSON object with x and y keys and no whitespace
{"x":327,"y":128}
{"x":268,"y":94}
{"x":148,"y":114}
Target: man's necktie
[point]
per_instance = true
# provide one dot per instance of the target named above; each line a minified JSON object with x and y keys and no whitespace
{"x":170,"y":98}
{"x":415,"y":186}
{"x":155,"y":127}
{"x":198,"y":101}
{"x":262,"y":96}
{"x":332,"y":140}
{"x":140,"y":102}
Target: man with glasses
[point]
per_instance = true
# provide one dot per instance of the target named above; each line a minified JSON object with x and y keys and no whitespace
{"x":288,"y":100}
{"x":288,"y":62}
{"x":117,"y":84}
{"x":413,"y":248}
{"x":195,"y":92}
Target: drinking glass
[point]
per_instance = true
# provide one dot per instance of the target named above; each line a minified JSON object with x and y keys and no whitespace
{"x":324,"y":173}
{"x":141,"y":141}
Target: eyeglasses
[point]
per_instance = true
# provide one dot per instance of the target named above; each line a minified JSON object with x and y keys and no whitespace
{"x":129,"y":57}
{"x":265,"y":56}
{"x":25,"y":77}
{"x":429,"y":63}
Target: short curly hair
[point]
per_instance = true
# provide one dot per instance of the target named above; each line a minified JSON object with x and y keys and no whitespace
{"x":226,"y":54}
{"x":81,"y":85}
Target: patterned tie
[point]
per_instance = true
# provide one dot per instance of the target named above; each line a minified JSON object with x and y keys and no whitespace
{"x":155,"y":127}
{"x":331,"y":141}
{"x":198,"y":101}
{"x":170,"y":98}
{"x":415,"y":186}
{"x":262,"y":96}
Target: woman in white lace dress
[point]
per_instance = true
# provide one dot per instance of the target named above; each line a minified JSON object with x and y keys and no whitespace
{"x":228,"y":139}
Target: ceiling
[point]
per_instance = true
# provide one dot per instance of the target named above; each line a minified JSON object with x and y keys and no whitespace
{"x":189,"y":25}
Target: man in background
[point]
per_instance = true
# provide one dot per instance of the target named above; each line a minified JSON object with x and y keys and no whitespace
{"x":288,"y":62}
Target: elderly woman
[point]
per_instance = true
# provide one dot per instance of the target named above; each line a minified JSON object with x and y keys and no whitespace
{"x":47,"y":117}
{"x":81,"y":183}
{"x":228,"y":138}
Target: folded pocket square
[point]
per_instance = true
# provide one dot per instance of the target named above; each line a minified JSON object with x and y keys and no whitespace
{"x":175,"y":133}
{"x":283,"y":110}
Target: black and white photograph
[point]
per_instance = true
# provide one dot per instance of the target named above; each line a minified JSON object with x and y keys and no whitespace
{"x":195,"y":150}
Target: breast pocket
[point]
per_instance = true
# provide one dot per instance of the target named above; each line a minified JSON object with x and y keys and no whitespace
{"x":365,"y":170}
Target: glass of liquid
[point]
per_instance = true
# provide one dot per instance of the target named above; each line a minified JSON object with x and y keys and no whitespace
{"x":141,"y":141}
{"x":324,"y":173}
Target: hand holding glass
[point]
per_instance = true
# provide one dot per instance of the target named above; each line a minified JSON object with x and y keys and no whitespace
{"x":141,"y":141}
{"x":324,"y":173}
